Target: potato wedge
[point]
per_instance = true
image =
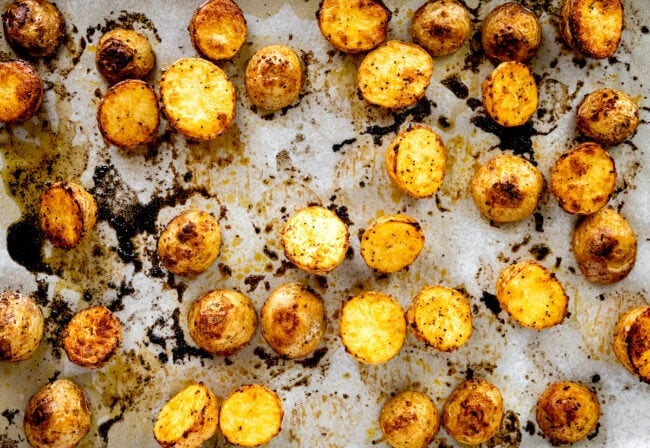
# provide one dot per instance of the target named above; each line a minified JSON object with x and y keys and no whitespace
{"x":218,"y":29}
{"x":21,"y":326}
{"x":21,"y":91}
{"x":607,"y":116}
{"x":441,"y":26}
{"x":511,"y":32}
{"x":510,"y":94}
{"x":274,"y":77}
{"x":392,"y":243}
{"x":33,"y":27}
{"x":124,"y":54}
{"x":92,"y":337}
{"x":410,"y":419}
{"x":632,"y":341}
{"x":592,"y":28}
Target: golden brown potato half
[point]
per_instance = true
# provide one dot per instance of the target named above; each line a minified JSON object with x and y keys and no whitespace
{"x":66,"y":213}
{"x":21,"y":90}
{"x":274,"y":77}
{"x":315,"y":239}
{"x":33,"y":27}
{"x":583,"y":179}
{"x":124,"y":54}
{"x":293,"y":320}
{"x":190,"y":243}
{"x":395,"y":75}
{"x":353,"y":26}
{"x":604,"y":246}
{"x":392,"y":243}
{"x":632,"y":341}
{"x":507,"y":188}
{"x":222,"y":322}
{"x":441,"y":26}
{"x":510,"y":94}
{"x":57,"y":416}
{"x":416,"y":161}
{"x":592,"y":27}
{"x":251,"y":415}
{"x":440,"y":317}
{"x":198,"y":98}
{"x":532,"y":295}
{"x":372,"y":327}
{"x":21,"y":326}
{"x":128,"y":114}
{"x":567,"y":412}
{"x":607,"y":116}
{"x":473,"y":412}
{"x":188,"y":419}
{"x":92,"y":337}
{"x":409,"y":420}
{"x":218,"y":29}
{"x":511,"y":32}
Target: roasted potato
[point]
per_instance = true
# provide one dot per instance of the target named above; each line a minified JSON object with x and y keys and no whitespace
{"x":567,"y":412}
{"x":190,"y":243}
{"x":607,"y":116}
{"x":583,"y":179}
{"x":353,"y":26}
{"x":128,"y":114}
{"x":21,"y":90}
{"x":511,"y":32}
{"x":632,"y":341}
{"x":592,"y":27}
{"x":507,"y":188}
{"x":410,"y":419}
{"x":33,"y":27}
{"x":315,"y":239}
{"x":188,"y":419}
{"x":416,"y":161}
{"x":441,"y":26}
{"x":21,"y":326}
{"x":510,"y":94}
{"x":473,"y":412}
{"x":198,"y":98}
{"x":372,"y":327}
{"x":92,"y":337}
{"x":274,"y":77}
{"x":57,"y":416}
{"x":218,"y":29}
{"x":392,"y":243}
{"x":66,"y":213}
{"x":251,"y":415}
{"x":532,"y":295}
{"x":440,"y":317}
{"x":293,"y":320}
{"x":604,"y":246}
{"x":124,"y":54}
{"x":395,"y":75}
{"x":222,"y":322}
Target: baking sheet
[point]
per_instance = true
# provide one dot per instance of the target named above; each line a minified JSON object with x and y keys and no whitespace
{"x":327,"y":149}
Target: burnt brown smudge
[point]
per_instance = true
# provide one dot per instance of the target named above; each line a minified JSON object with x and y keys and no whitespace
{"x":491,"y":302}
{"x":518,"y":139}
{"x":10,"y":414}
{"x":127,"y":20}
{"x":510,"y":433}
{"x":253,"y":281}
{"x":339,"y":146}
{"x":540,"y":251}
{"x":456,"y":86}
{"x":417,"y":113}
{"x":314,"y":360}
{"x":24,"y":242}
{"x":105,"y":427}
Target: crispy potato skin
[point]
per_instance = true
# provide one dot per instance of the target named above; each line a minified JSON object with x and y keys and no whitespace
{"x":511,"y":32}
{"x":592,"y":27}
{"x":409,"y":420}
{"x":57,"y":416}
{"x":274,"y":77}
{"x":222,"y":322}
{"x":567,"y":412}
{"x":293,"y":320}
{"x":473,"y":412}
{"x":218,"y":29}
{"x":353,"y":26}
{"x":392,"y":243}
{"x":21,"y":89}
{"x":607,"y":116}
{"x":33,"y":27}
{"x":92,"y":337}
{"x":510,"y":95}
{"x":21,"y":326}
{"x":124,"y":54}
{"x":604,"y":246}
{"x":441,"y":26}
{"x":631,"y":341}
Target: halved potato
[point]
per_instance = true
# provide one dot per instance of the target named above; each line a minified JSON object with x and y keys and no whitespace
{"x":92,"y":337}
{"x":218,"y":29}
{"x":21,"y":326}
{"x":607,"y":116}
{"x":124,"y":54}
{"x":511,"y":32}
{"x":592,"y":27}
{"x":410,"y":419}
{"x":21,"y":91}
{"x":34,"y":27}
{"x":441,"y":26}
{"x":392,"y":243}
{"x":510,"y":94}
{"x":632,"y":341}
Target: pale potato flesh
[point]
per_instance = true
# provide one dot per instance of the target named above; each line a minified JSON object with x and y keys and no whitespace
{"x":510,"y":95}
{"x":392,"y":243}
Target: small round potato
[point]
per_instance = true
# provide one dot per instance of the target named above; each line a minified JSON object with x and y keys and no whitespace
{"x":21,"y":326}
{"x":567,"y":412}
{"x":21,"y":90}
{"x":409,"y":420}
{"x":510,"y":95}
{"x":441,"y":26}
{"x":592,"y":28}
{"x":190,"y":243}
{"x":473,"y":412}
{"x":57,"y":416}
{"x":507,"y":188}
{"x":392,"y":243}
{"x":124,"y":54}
{"x":604,"y":246}
{"x":92,"y":337}
{"x":222,"y":322}
{"x":607,"y":116}
{"x":34,"y":27}
{"x":632,"y":341}
{"x":274,"y":77}
{"x":293,"y":320}
{"x":511,"y":32}
{"x":218,"y":29}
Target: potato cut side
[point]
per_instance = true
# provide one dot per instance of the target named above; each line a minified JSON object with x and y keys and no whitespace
{"x":21,"y":91}
{"x":632,"y":341}
{"x":392,"y":243}
{"x":410,"y":419}
{"x":592,"y":27}
{"x":218,"y":29}
{"x":21,"y":326}
{"x":510,"y":94}
{"x":92,"y":337}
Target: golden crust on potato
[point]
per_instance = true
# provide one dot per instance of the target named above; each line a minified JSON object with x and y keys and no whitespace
{"x":21,"y":326}
{"x":410,"y":419}
{"x":124,"y":54}
{"x":218,"y":29}
{"x":441,"y":26}
{"x":21,"y":91}
{"x":510,"y":94}
{"x":511,"y":32}
{"x":92,"y":337}
{"x":607,"y":116}
{"x":632,"y":341}
{"x":34,"y":27}
{"x":592,"y":27}
{"x":392,"y":243}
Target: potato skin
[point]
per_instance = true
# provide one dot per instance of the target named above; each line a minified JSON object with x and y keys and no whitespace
{"x":21,"y":89}
{"x":409,"y":420}
{"x":33,"y":27}
{"x":218,"y":29}
{"x":392,"y":243}
{"x":510,"y":95}
{"x":511,"y":32}
{"x":124,"y":54}
{"x":274,"y":77}
{"x":631,"y":341}
{"x":21,"y":326}
{"x":441,"y":26}
{"x":92,"y":337}
{"x":592,"y":27}
{"x":607,"y":116}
